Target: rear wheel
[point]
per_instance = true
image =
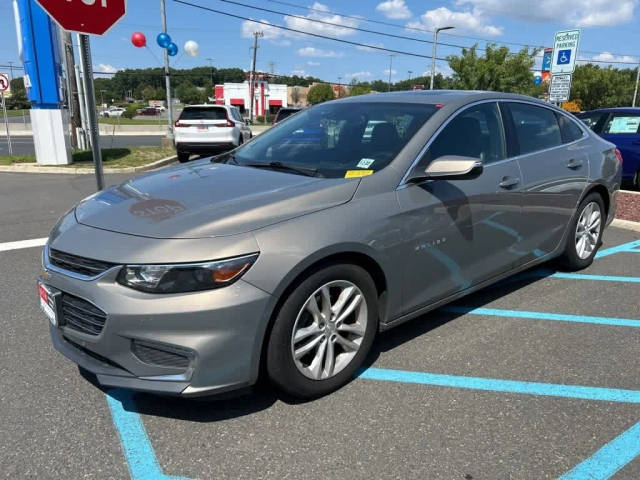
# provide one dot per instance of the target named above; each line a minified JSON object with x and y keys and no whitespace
{"x":636,"y":180}
{"x":183,"y":157}
{"x":585,"y":233}
{"x":323,"y":331}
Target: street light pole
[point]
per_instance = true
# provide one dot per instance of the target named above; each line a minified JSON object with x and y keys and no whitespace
{"x":390,"y":65}
{"x":211,"y":62}
{"x":435,"y":49}
{"x":635,"y":92}
{"x":163,"y":14}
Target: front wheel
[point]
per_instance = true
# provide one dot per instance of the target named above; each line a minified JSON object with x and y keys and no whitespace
{"x":323,"y":331}
{"x":585,"y":234}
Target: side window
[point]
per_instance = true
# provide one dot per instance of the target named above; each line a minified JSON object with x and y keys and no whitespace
{"x":622,"y":123}
{"x":568,"y":129}
{"x":475,"y":132}
{"x":536,"y":128}
{"x":591,"y":119}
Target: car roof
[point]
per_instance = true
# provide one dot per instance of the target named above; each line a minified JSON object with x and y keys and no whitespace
{"x":207,"y":105}
{"x":614,"y":109}
{"x":446,"y":97}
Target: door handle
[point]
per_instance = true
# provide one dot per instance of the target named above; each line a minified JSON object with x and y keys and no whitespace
{"x":508,"y":182}
{"x":574,"y":164}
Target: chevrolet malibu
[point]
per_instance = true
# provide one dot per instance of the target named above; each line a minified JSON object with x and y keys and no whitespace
{"x":286,"y":256}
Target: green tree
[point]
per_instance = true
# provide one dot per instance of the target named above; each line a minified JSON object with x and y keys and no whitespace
{"x":498,"y":70}
{"x":596,"y":87}
{"x":359,"y":89}
{"x":18,"y":97}
{"x":149,"y":93}
{"x":319,"y":93}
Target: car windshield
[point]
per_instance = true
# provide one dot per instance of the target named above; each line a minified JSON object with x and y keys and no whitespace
{"x":203,"y":113}
{"x":338,"y":139}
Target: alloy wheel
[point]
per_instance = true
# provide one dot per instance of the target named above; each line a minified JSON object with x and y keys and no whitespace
{"x":588,"y":230}
{"x":329,"y":330}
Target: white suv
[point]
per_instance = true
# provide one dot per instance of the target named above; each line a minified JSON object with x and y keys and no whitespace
{"x":209,"y":129}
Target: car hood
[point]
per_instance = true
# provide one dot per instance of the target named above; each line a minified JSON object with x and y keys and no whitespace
{"x":204,"y":199}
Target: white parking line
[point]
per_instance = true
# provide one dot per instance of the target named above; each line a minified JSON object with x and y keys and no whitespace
{"x":34,"y":242}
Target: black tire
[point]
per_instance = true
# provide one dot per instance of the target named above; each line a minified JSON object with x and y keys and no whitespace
{"x":570,"y":259}
{"x":281,"y":367}
{"x":636,"y":180}
{"x":183,"y":157}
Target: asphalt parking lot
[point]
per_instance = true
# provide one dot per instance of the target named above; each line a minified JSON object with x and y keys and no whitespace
{"x":537,"y":377}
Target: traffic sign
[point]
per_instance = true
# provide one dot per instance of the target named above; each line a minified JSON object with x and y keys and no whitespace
{"x":560,"y":88}
{"x":93,"y":17}
{"x":5,"y":86}
{"x":565,"y":51}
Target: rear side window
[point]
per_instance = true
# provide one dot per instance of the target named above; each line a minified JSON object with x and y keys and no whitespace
{"x":592,"y":119}
{"x":475,"y":132}
{"x":621,"y":123}
{"x":203,"y":113}
{"x":568,"y":129}
{"x":285,"y":112}
{"x":536,"y":128}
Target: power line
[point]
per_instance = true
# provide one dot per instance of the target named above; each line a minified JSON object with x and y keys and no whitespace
{"x":424,"y":30}
{"x":317,"y":35}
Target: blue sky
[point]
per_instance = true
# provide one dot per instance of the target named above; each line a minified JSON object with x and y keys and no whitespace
{"x":608,"y":33}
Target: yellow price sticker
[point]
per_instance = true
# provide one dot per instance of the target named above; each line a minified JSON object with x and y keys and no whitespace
{"x":357,"y":173}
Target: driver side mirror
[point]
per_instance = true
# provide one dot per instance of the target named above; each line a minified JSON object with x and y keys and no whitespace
{"x":450,"y":167}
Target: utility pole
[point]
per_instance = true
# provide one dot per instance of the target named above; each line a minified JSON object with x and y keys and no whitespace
{"x":390,"y":64}
{"x":433,"y":56}
{"x":253,"y":72}
{"x":167,"y":81}
{"x":211,"y":63}
{"x":10,"y":70}
{"x":635,"y":92}
{"x":272,"y":66}
{"x":339,"y":87}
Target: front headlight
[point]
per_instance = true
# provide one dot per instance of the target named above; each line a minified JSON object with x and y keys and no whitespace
{"x":185,"y":277}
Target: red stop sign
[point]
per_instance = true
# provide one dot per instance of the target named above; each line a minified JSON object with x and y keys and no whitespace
{"x":85,"y":16}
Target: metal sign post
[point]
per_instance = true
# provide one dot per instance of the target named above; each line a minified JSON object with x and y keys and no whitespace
{"x":6,"y":123}
{"x":85,"y":53}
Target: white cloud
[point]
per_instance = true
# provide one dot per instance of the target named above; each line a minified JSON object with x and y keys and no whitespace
{"x":368,"y":49}
{"x":105,"y":67}
{"x":313,"y":64}
{"x":610,"y":58}
{"x":333,"y":26}
{"x":318,"y":52}
{"x":299,"y":72}
{"x":269,"y":32}
{"x":386,"y":72}
{"x":467,"y":21}
{"x":585,"y":13}
{"x":396,"y":9}
{"x":358,"y":74}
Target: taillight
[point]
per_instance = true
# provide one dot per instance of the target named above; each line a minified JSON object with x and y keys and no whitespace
{"x":178,"y":124}
{"x":619,"y":155}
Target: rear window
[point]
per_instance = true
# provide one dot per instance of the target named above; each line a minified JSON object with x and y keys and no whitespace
{"x":569,"y":130}
{"x":203,"y":113}
{"x":621,"y":124}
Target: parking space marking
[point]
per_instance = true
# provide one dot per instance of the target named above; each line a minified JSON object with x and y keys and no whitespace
{"x":136,"y":446}
{"x":544,"y":273}
{"x":498,"y":385}
{"x":34,"y":242}
{"x":609,"y":459}
{"x":558,"y":317}
{"x":625,"y":247}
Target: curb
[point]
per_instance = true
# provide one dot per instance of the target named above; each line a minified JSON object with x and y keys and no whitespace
{"x":626,"y":224}
{"x":28,"y":168}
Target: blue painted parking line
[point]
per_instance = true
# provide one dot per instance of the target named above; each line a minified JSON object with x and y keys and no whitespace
{"x":558,"y":317}
{"x":136,"y":446}
{"x":498,"y":385}
{"x":598,"y":278}
{"x":609,"y":459}
{"x":625,"y":247}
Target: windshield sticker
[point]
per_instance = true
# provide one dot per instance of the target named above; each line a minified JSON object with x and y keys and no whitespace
{"x":357,"y":173}
{"x":365,"y":162}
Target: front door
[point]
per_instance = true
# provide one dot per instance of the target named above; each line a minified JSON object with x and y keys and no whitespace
{"x":461,"y":232}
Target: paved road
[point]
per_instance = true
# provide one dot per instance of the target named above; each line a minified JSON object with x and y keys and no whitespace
{"x":58,"y":425}
{"x":23,"y":145}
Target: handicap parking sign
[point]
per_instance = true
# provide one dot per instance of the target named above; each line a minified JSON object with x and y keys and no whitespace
{"x":564,"y":57}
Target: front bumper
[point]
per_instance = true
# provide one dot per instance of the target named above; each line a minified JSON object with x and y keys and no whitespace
{"x":219,"y":331}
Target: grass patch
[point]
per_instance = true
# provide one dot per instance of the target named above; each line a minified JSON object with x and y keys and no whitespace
{"x":111,"y":157}
{"x":131,"y":121}
{"x":17,"y":113}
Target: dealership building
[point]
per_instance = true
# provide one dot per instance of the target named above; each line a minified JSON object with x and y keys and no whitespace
{"x":268,"y":97}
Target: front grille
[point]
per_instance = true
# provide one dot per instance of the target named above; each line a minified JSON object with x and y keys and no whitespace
{"x":82,"y":316}
{"x":76,"y":264}
{"x":156,"y":356}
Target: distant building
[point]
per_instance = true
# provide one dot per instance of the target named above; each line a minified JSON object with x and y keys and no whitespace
{"x":297,"y":96}
{"x":268,"y":97}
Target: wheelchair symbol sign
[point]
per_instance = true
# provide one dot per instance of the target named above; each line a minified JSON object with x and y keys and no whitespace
{"x":564,"y":57}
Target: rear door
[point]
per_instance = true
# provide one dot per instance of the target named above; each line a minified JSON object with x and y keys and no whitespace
{"x":555,"y":170}
{"x":461,"y":232}
{"x":623,"y":129}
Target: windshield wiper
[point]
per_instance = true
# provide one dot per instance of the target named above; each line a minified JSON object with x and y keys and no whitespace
{"x":308,"y":171}
{"x":227,"y":157}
